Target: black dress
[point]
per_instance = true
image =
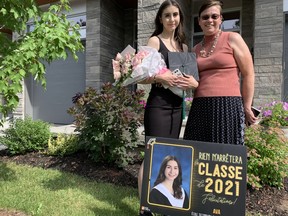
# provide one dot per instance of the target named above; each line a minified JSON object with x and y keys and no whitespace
{"x":163,"y":111}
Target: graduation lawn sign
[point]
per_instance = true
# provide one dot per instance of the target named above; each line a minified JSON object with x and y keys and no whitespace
{"x":213,"y":176}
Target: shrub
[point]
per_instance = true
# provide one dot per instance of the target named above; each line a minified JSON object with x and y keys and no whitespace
{"x":26,"y":135}
{"x":63,"y":144}
{"x":267,"y":156}
{"x":275,"y":114}
{"x":107,"y":122}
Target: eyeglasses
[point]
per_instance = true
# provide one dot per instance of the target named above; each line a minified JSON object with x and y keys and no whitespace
{"x":213,"y":16}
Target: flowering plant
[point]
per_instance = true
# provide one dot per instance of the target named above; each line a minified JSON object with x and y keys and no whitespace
{"x":275,"y":114}
{"x":130,"y":67}
{"x":188,"y":101}
{"x":143,"y":103}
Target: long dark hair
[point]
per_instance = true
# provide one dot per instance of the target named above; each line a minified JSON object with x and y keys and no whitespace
{"x":177,"y":182}
{"x":179,"y":32}
{"x":209,"y":3}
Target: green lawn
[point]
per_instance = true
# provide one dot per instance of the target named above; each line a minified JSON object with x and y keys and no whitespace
{"x":36,"y":191}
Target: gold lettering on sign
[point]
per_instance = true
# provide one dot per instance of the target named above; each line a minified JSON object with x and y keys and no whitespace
{"x":204,"y":156}
{"x":217,"y":211}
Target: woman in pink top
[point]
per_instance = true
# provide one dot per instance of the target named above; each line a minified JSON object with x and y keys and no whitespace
{"x":220,"y":108}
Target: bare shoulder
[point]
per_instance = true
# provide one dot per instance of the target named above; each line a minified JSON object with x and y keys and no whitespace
{"x":185,"y":47}
{"x":154,"y":42}
{"x":235,"y":38}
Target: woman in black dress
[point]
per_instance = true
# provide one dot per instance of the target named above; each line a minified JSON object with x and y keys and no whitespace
{"x":163,"y":111}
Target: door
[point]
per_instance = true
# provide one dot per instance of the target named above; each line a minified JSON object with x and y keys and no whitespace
{"x":64,"y":79}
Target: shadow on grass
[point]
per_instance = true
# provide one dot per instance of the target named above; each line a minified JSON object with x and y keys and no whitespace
{"x":107,"y":194}
{"x":7,"y":174}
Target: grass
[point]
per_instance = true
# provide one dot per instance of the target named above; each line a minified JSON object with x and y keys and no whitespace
{"x":36,"y":191}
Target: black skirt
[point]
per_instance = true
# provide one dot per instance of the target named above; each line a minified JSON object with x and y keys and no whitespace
{"x":217,"y":120}
{"x":163,"y":113}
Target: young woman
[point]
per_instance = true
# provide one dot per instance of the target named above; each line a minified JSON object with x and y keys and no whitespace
{"x":163,"y":111}
{"x":167,"y":188}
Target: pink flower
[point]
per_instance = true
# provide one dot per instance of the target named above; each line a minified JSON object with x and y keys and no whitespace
{"x":116,"y":65}
{"x":125,"y":68}
{"x":118,"y":57}
{"x":136,"y":61}
{"x":141,"y":54}
{"x":143,"y":103}
{"x":128,"y":57}
{"x":117,"y":75}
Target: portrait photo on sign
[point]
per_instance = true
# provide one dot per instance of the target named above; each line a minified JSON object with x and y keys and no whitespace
{"x":170,"y":174}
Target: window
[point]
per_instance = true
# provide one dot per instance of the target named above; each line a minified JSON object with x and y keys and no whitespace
{"x":231,"y":23}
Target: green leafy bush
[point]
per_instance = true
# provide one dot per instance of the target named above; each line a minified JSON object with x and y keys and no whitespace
{"x":63,"y":144}
{"x":267,"y":156}
{"x":275,"y":114}
{"x":26,"y":135}
{"x":107,"y":122}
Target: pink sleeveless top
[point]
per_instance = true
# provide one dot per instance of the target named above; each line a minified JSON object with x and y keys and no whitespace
{"x":219,"y":74}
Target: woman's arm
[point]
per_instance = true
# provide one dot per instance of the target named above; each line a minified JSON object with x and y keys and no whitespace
{"x":244,"y":61}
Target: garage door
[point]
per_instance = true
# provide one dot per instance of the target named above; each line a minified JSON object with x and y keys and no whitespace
{"x":64,"y":78}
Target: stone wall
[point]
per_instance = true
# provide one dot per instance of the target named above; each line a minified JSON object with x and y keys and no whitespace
{"x":147,"y":11}
{"x":109,"y":31}
{"x":268,"y":50}
{"x":93,"y":40}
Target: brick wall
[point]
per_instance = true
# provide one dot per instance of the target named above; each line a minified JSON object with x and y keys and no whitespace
{"x":268,"y":50}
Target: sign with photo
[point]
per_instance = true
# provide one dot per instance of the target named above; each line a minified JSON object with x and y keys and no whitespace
{"x":186,"y":177}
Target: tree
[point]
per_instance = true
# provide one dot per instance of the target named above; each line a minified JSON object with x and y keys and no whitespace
{"x":53,"y":36}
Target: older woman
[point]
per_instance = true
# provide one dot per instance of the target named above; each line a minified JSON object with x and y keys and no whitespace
{"x":220,"y":106}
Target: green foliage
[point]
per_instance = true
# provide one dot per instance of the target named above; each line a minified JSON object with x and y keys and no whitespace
{"x":108,"y":122}
{"x":267,"y":156}
{"x":275,"y":114}
{"x":26,"y":135}
{"x":53,"y":36}
{"x":63,"y":144}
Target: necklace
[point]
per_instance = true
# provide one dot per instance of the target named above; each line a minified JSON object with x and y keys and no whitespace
{"x":203,"y":52}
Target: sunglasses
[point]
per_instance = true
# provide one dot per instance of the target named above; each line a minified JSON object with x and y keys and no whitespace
{"x":213,"y":16}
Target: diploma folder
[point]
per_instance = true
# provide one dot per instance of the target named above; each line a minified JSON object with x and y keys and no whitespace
{"x":185,"y":62}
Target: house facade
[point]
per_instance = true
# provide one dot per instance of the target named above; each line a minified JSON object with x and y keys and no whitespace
{"x":107,"y":27}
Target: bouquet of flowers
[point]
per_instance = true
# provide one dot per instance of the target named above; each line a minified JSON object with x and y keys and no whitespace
{"x":130,"y":67}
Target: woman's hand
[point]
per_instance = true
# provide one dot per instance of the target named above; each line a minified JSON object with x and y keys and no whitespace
{"x":249,"y":116}
{"x":186,"y":82}
{"x":167,"y":79}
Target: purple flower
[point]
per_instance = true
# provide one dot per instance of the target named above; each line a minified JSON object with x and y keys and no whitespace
{"x":285,"y":105}
{"x":267,"y":113}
